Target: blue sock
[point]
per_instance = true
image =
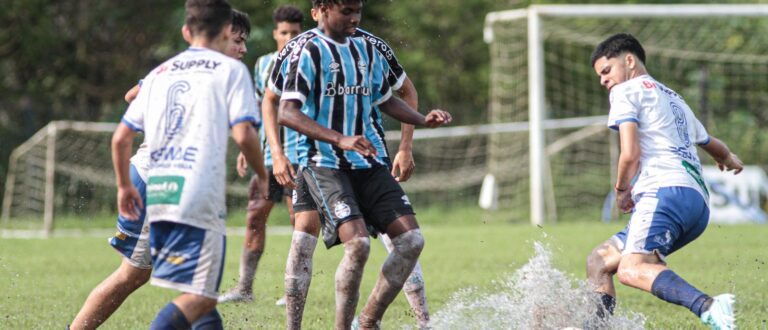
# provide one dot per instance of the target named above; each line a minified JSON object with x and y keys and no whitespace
{"x":169,"y":318}
{"x":672,"y":288}
{"x":210,"y":321}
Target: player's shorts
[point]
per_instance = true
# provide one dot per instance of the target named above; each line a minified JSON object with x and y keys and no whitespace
{"x":344,"y":195}
{"x":132,"y":236}
{"x":664,"y":222}
{"x":276,"y":192}
{"x":187,"y":258}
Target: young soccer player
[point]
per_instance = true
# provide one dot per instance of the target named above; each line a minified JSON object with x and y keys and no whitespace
{"x":299,"y":264}
{"x":186,"y":108}
{"x":287,"y":21}
{"x":332,"y":85}
{"x":659,"y":181}
{"x":132,"y":237}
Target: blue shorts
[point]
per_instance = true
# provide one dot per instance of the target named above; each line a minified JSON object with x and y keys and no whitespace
{"x":132,"y":236}
{"x":187,"y":258}
{"x":665,"y":222}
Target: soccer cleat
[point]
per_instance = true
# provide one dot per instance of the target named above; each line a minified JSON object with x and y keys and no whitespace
{"x":280,"y":302}
{"x":720,"y":316}
{"x":235,"y":295}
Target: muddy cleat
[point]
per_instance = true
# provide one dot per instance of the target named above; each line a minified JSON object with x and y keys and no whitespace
{"x":235,"y":296}
{"x":280,"y":302}
{"x":720,"y":316}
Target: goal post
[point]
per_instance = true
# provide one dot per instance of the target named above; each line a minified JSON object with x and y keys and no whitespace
{"x":524,"y":43}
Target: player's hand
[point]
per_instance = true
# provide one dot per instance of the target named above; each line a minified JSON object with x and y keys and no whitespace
{"x":436,"y":118}
{"x":403,"y":166}
{"x":129,"y":203}
{"x":283,"y":171}
{"x":357,"y":143}
{"x":624,"y":200}
{"x":241,"y":165}
{"x":733,"y":163}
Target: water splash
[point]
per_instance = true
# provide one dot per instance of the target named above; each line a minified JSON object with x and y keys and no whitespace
{"x":537,"y":296}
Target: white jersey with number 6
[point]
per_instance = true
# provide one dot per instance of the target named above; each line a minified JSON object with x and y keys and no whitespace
{"x":668,"y":134}
{"x":186,"y":107}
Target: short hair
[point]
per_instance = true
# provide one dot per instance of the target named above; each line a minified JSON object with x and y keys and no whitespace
{"x":207,"y":16}
{"x":240,"y":22}
{"x":287,"y":13}
{"x":318,"y":3}
{"x":616,"y":45}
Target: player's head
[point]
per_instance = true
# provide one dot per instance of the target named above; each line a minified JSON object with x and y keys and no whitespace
{"x":338,"y":17}
{"x":209,"y":20}
{"x":618,"y":59}
{"x":288,"y":21}
{"x":241,"y":29}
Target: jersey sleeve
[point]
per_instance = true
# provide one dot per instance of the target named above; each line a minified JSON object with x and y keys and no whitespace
{"x":395,"y":72}
{"x":625,"y":106}
{"x":277,"y":77}
{"x":701,"y":137}
{"x":258,"y":81}
{"x":300,"y":76}
{"x":382,"y":91}
{"x":134,"y":116}
{"x":241,"y":100}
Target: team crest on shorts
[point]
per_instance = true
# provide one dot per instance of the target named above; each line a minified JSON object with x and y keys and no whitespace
{"x":405,"y":199}
{"x":341,"y":210}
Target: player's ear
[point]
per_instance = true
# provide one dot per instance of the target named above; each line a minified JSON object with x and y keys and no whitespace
{"x":631,"y":61}
{"x":186,"y":34}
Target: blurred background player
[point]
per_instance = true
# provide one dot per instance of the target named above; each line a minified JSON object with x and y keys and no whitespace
{"x":306,"y":229}
{"x":337,"y":80}
{"x":132,"y":237}
{"x":287,"y":21}
{"x":186,"y":109}
{"x":669,"y":202}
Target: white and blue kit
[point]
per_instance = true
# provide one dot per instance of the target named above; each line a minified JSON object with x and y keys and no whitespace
{"x":671,"y":199}
{"x":132,"y":237}
{"x":186,"y":107}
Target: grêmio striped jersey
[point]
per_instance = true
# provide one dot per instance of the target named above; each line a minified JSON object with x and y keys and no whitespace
{"x":363,"y":44}
{"x":288,"y":137}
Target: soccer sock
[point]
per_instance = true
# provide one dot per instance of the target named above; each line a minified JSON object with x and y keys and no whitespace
{"x":249,"y":260}
{"x":169,"y":318}
{"x":210,"y":321}
{"x":672,"y":288}
{"x":298,"y":275}
{"x":349,"y":274}
{"x":394,"y":272}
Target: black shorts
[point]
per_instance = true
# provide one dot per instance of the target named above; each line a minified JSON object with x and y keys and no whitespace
{"x":276,"y":191}
{"x":343,"y":195}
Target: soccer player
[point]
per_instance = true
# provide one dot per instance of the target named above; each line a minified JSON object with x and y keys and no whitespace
{"x":332,"y":86}
{"x":659,"y":181}
{"x":132,"y":237}
{"x":306,"y":229}
{"x":186,"y":108}
{"x":287,"y":21}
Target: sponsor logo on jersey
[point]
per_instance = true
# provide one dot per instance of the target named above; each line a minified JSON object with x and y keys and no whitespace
{"x":187,"y":154}
{"x":382,"y":46}
{"x":341,"y":210}
{"x":337,"y":89}
{"x":648,"y":84}
{"x":334,"y":67}
{"x":194,"y":64}
{"x":165,"y":189}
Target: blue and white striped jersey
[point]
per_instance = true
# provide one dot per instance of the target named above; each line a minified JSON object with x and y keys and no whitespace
{"x":290,"y":138}
{"x":338,"y":85}
{"x":394,"y":72}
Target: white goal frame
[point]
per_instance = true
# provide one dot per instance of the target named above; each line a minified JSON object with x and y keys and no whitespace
{"x":536,"y":86}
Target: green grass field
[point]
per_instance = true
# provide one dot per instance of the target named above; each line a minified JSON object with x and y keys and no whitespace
{"x":45,"y":281}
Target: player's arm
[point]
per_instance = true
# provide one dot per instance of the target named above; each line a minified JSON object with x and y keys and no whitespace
{"x":289,"y":115}
{"x":248,"y":140}
{"x":281,"y":166}
{"x":726,"y":160}
{"x":128,"y":199}
{"x":403,"y":164}
{"x":629,"y":163}
{"x":398,"y":109}
{"x":131,"y":94}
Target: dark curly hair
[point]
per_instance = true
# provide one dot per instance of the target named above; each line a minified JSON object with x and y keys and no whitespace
{"x":617,"y":44}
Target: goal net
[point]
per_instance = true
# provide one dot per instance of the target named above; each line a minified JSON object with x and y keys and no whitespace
{"x":713,"y":55}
